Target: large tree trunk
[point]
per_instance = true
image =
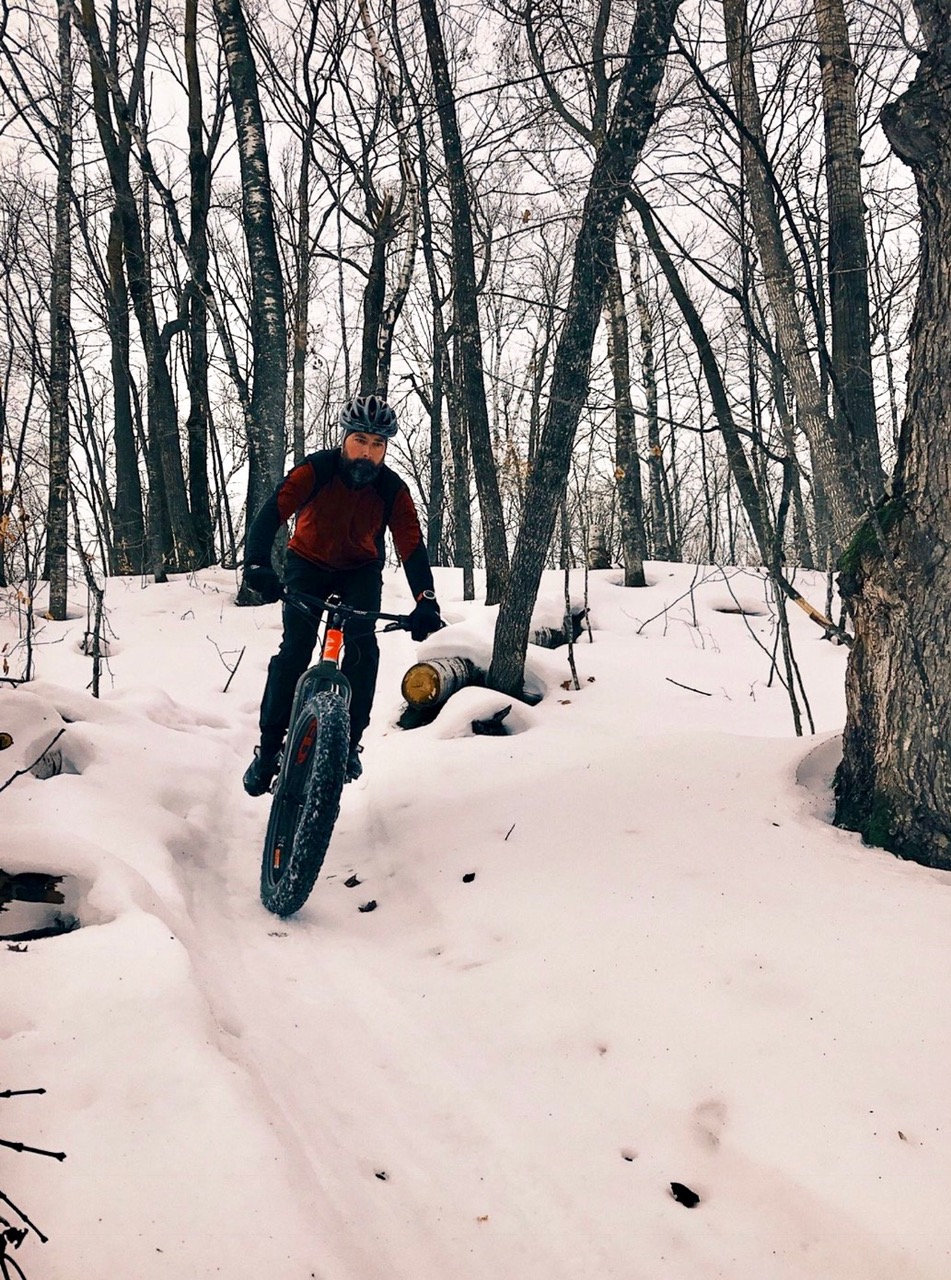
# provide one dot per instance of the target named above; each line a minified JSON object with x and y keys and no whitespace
{"x":465,"y":299}
{"x":853,"y":395}
{"x":266,"y":446}
{"x":894,"y":783}
{"x":835,"y":456}
{"x":617,"y":154}
{"x":57,"y":519}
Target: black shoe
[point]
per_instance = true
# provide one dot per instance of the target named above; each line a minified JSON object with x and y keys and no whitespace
{"x":260,"y":772}
{"x":354,"y":767}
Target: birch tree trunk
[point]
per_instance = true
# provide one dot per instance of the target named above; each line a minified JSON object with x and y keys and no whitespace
{"x":267,"y":430}
{"x":465,"y":298}
{"x":57,"y":519}
{"x":894,"y":783}
{"x":617,"y":154}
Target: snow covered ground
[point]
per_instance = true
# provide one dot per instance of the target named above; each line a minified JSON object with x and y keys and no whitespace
{"x":619,"y":948}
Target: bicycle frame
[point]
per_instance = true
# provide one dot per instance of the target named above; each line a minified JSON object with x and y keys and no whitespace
{"x":331,"y":616}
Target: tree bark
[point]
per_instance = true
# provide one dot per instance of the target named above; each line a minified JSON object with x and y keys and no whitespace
{"x":465,"y":297}
{"x":617,"y":154}
{"x":57,"y":519}
{"x":129,"y":549}
{"x":374,"y":299}
{"x":627,"y":471}
{"x":197,"y":312}
{"x":661,"y":516}
{"x":267,"y":442}
{"x":301,"y":304}
{"x":853,"y":394}
{"x":894,"y":783}
{"x":459,"y":480}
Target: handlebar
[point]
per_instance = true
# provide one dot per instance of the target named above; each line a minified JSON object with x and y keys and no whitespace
{"x":313,"y":607}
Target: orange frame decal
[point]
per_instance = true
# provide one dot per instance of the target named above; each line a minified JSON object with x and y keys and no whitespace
{"x":333,"y":644}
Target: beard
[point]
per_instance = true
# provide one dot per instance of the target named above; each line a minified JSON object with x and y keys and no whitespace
{"x":359,"y":472}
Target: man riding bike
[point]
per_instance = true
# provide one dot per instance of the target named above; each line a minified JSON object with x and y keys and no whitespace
{"x":344,"y":500}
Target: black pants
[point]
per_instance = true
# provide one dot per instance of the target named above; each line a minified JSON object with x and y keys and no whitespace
{"x":361,"y":589}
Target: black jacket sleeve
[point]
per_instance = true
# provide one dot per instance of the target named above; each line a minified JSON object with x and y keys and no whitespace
{"x":261,"y":534}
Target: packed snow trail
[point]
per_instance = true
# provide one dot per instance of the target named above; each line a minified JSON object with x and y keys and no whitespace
{"x":618,"y":949}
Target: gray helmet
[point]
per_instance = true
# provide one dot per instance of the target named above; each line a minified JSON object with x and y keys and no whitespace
{"x":370,"y":414}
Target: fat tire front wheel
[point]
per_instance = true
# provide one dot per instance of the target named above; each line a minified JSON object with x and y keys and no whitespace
{"x":306,"y":803}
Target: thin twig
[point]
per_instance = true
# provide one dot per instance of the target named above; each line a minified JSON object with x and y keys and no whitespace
{"x":221,"y":658}
{"x":33,"y":1151}
{"x":688,"y":687}
{"x":234,"y":668}
{"x":20,"y":1214}
{"x":670,"y":604}
{"x":754,"y":636}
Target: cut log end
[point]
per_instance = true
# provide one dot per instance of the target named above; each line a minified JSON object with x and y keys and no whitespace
{"x":429,"y":684}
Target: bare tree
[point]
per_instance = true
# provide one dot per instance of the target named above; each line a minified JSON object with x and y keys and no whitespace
{"x":833,"y":450}
{"x":171,"y":533}
{"x":616,"y":156}
{"x":627,"y":466}
{"x":57,"y":519}
{"x":466,"y":311}
{"x":853,"y":393}
{"x":267,"y":443}
{"x":198,"y":424}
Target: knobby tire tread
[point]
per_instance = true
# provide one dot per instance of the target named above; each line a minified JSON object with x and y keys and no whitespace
{"x":314,"y":818}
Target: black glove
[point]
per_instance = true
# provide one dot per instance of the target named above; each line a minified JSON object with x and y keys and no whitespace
{"x":262,"y":579}
{"x":424,"y":619}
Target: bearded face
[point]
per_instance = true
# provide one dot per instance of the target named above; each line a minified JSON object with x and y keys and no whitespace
{"x":361,"y":457}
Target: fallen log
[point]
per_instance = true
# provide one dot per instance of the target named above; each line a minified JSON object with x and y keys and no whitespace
{"x":555,"y":637}
{"x":430,"y":683}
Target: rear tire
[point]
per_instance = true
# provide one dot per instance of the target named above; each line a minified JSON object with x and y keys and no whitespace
{"x":306,"y":802}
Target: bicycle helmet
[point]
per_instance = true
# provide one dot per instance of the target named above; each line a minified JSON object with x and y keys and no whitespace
{"x":370,"y":414}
